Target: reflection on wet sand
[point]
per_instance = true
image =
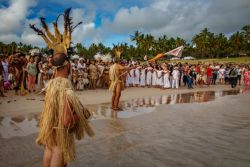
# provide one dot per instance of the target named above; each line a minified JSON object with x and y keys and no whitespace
{"x":18,"y":126}
{"x":27,"y":124}
{"x":144,"y":105}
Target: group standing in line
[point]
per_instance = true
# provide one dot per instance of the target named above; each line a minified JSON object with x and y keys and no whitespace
{"x":32,"y":73}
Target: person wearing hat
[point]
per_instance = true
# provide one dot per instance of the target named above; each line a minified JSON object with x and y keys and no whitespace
{"x":74,"y":64}
{"x":62,"y":118}
{"x":81,"y":64}
{"x":116,"y":73}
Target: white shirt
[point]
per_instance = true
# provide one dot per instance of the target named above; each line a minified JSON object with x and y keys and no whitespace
{"x":81,"y":66}
{"x":176,"y":74}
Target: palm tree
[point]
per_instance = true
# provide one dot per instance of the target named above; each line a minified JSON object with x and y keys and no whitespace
{"x":137,"y":37}
{"x":81,"y":50}
{"x":236,"y":41}
{"x":147,"y":44}
{"x":246,"y":37}
{"x":180,"y":42}
{"x":202,"y":42}
{"x":13,"y":47}
{"x":220,"y":45}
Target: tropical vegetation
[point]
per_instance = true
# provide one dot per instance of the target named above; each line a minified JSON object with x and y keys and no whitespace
{"x":203,"y":45}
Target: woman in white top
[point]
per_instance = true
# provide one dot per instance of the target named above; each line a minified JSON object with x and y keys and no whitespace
{"x":81,"y":64}
{"x":132,"y":77}
{"x":166,"y":74}
{"x":154,"y":77}
{"x":143,"y":77}
{"x":159,"y":80}
{"x":137,"y":76}
{"x":149,"y":76}
{"x":127,"y":82}
{"x":129,"y":78}
{"x":221,"y":73}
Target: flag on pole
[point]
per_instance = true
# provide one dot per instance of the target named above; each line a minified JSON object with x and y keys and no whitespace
{"x":176,"y":52}
{"x":160,"y":55}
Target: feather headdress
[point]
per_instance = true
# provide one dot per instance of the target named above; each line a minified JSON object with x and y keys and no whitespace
{"x":118,"y":51}
{"x":58,"y":42}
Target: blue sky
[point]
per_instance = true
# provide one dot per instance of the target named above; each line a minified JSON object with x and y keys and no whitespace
{"x":114,"y":21}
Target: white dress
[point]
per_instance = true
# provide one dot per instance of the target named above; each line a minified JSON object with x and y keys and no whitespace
{"x":137,"y":77}
{"x":143,"y":77}
{"x":127,"y":80}
{"x":154,"y":78}
{"x":221,"y":73}
{"x":166,"y":80}
{"x":81,"y":66}
{"x":160,"y":78}
{"x":149,"y":77}
{"x":132,"y":76}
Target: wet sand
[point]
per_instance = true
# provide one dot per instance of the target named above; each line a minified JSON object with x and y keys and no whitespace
{"x":214,"y":133}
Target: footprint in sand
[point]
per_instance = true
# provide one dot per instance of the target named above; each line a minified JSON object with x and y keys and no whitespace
{"x":30,"y":99}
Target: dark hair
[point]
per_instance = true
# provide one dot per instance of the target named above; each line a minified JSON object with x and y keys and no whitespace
{"x":32,"y":57}
{"x":58,"y":59}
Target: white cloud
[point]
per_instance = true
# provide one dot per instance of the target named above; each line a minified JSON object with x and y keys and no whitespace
{"x":9,"y":37}
{"x":181,"y":18}
{"x":171,"y":17}
{"x":13,"y":17}
{"x":84,"y":31}
{"x":28,"y":36}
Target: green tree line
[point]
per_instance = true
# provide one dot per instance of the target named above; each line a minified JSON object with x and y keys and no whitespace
{"x":205,"y":44}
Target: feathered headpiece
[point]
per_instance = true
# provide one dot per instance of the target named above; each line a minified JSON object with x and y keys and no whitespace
{"x":118,"y":51}
{"x":58,"y":42}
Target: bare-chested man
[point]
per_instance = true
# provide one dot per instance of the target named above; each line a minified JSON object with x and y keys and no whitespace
{"x":116,"y":73}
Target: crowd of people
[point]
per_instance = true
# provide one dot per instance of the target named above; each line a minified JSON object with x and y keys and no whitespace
{"x":28,"y":74}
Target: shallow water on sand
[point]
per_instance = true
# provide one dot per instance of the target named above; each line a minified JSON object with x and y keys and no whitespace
{"x":191,"y":135}
{"x":145,"y":105}
{"x":27,"y":124}
{"x":186,"y":135}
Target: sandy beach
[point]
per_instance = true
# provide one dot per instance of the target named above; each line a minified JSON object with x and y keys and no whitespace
{"x":212,"y":133}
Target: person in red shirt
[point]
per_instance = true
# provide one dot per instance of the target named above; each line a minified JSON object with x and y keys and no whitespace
{"x":198,"y":69}
{"x":209,"y":74}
